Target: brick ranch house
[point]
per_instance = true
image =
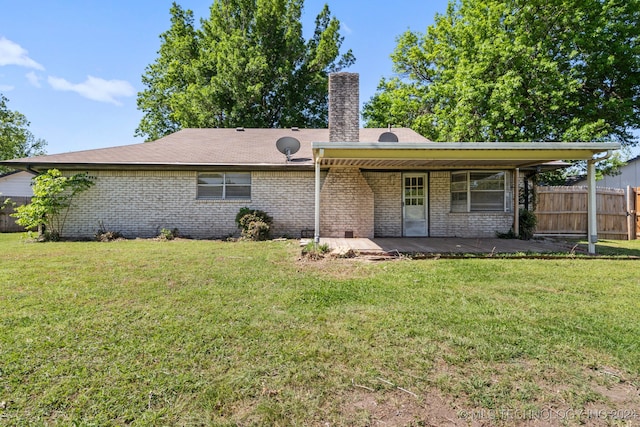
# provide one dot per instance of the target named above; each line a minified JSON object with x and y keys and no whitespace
{"x":343,"y":181}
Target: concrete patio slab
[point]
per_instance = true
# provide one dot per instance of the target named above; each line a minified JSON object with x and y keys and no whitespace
{"x":449,"y":245}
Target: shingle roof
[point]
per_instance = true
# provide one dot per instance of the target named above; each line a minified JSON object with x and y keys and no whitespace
{"x":208,"y":147}
{"x":5,"y":174}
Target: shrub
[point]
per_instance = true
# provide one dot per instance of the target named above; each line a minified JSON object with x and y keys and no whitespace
{"x":168,"y":234}
{"x":528,"y":222}
{"x":108,"y":236}
{"x":241,"y":213}
{"x":53,"y":194}
{"x":313,"y":250}
{"x":104,"y":235}
{"x":527,"y":226}
{"x":254,"y":224}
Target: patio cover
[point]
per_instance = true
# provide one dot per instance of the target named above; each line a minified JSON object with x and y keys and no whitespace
{"x":459,"y":155}
{"x":453,"y":155}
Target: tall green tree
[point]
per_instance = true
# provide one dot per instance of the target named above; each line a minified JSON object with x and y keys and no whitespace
{"x":16,"y":140}
{"x":171,"y":74}
{"x":518,"y":70}
{"x":248,"y":65}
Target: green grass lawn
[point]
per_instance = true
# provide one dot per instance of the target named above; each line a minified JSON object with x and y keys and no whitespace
{"x":190,"y":333}
{"x":621,"y":248}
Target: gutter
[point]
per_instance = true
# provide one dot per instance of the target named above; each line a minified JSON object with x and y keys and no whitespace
{"x":36,"y":168}
{"x":596,"y":146}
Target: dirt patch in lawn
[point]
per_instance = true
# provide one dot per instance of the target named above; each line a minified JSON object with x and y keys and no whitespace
{"x":618,"y":406}
{"x":590,"y":396}
{"x":398,"y":408}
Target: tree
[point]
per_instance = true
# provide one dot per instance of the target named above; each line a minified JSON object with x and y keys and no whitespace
{"x":518,"y":70}
{"x":16,"y":140}
{"x":168,"y":76}
{"x":52,"y":197}
{"x":248,"y":65}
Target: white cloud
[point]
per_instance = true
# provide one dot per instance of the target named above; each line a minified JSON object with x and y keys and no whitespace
{"x":13,"y":54}
{"x":6,"y":88}
{"x":95,"y":88}
{"x":33,"y":79}
{"x":344,"y":27}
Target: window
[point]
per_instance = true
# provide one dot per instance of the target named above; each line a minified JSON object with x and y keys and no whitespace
{"x":459,"y":192}
{"x":414,"y":191}
{"x":224,"y":185}
{"x":478,"y":191}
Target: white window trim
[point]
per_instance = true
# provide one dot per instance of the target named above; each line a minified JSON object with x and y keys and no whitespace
{"x":467,"y":174}
{"x":223,"y":185}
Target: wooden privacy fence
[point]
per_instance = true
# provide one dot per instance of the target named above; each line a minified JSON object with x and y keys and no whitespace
{"x":563,"y":211}
{"x":7,"y":222}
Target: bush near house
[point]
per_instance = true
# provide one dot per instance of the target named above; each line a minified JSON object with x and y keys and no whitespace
{"x":53,"y":194}
{"x":254,"y":224}
{"x":527,"y":226}
{"x":528,"y":222}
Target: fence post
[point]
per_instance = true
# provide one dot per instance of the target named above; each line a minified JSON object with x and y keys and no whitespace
{"x":516,"y":202}
{"x":631,"y":229}
{"x":636,"y":208}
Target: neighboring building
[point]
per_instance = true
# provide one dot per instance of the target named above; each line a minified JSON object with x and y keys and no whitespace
{"x":17,"y":187}
{"x":344,"y":181}
{"x":16,"y":184}
{"x":629,"y":176}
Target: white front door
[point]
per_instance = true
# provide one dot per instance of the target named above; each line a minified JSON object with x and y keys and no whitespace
{"x":414,"y":202}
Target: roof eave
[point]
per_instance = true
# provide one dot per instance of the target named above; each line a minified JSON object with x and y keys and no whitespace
{"x":44,"y":166}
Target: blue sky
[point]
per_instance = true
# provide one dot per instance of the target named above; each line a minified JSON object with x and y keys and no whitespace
{"x":74,"y":67}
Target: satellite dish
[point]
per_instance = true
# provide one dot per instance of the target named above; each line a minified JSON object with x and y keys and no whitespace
{"x":388,"y":137}
{"x":288,"y":145}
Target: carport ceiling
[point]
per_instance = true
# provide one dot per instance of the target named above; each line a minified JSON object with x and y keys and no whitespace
{"x":459,"y":155}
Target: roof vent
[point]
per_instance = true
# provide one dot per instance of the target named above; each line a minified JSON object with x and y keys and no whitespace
{"x":239,"y":129}
{"x":388,"y":137}
{"x":295,"y":129}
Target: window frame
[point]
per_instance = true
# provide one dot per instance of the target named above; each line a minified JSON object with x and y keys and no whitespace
{"x":224,"y":185}
{"x":461,"y":191}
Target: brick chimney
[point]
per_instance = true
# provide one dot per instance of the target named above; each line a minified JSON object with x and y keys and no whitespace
{"x":344,"y":107}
